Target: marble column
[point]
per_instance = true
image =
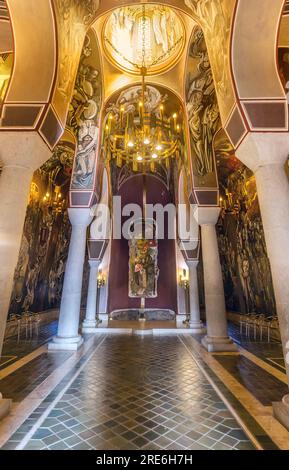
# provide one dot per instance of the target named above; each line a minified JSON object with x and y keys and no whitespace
{"x":266,"y":155}
{"x":217,"y":338}
{"x":90,"y":321}
{"x":20,"y":154}
{"x":68,"y":337}
{"x":195,"y":317}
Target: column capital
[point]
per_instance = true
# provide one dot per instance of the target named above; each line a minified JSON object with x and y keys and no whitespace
{"x":23,"y":149}
{"x":94,"y":263}
{"x":207,"y":215}
{"x":192,"y":263}
{"x":80,"y":216}
{"x":261,"y":149}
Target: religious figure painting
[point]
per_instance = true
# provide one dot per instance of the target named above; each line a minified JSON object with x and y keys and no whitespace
{"x":203,"y":112}
{"x":84,"y":117}
{"x":215,"y":19}
{"x":242,"y":246}
{"x":74,"y":16}
{"x":125,"y":29}
{"x":143,"y":268}
{"x":39,"y":274}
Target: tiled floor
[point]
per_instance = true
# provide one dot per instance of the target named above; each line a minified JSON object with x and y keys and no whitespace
{"x":24,"y":380}
{"x":258,"y":381}
{"x":140,"y":393}
{"x":14,"y":350}
{"x":271,"y":352}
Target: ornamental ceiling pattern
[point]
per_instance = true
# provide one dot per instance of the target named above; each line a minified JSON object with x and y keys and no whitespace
{"x":145,"y":35}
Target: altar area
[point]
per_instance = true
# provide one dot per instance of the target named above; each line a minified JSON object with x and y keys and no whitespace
{"x":143,"y":322}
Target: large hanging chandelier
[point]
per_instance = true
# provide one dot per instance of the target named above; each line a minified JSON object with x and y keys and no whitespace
{"x":139,"y":130}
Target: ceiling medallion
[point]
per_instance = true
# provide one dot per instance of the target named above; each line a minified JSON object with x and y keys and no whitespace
{"x":157,"y":28}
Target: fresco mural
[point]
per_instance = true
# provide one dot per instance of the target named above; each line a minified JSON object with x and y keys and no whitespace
{"x":245,"y":264}
{"x":40,"y":270}
{"x":73,"y":18}
{"x":283,"y":58}
{"x":123,"y":37}
{"x":215,"y":19}
{"x":143,"y":268}
{"x":6,"y":63}
{"x":83,"y":119}
{"x":203,"y":111}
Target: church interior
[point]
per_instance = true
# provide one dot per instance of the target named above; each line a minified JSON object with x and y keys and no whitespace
{"x":144,"y":225}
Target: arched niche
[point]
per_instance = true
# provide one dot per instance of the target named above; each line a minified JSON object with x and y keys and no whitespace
{"x":131,"y":191}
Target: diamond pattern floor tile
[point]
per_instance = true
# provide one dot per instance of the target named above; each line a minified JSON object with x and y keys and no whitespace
{"x":140,"y":393}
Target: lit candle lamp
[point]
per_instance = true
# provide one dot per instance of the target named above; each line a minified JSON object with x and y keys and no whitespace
{"x":162,"y":112}
{"x":110,"y":118}
{"x":140,"y":107}
{"x":121,"y":115}
{"x":175,"y":121}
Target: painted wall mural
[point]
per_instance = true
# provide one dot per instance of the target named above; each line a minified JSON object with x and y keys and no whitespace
{"x":6,"y":64}
{"x":143,"y":268}
{"x":283,"y":60}
{"x":203,"y":111}
{"x":245,"y":264}
{"x":215,"y":18}
{"x":74,"y":17}
{"x":40,"y":269}
{"x":123,"y":37}
{"x":83,"y":119}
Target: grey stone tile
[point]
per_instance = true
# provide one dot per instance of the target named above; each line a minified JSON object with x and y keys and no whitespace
{"x":130,"y":396}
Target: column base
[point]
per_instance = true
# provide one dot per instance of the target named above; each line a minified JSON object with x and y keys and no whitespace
{"x":219,"y":344}
{"x":89,"y":325}
{"x":103,"y":320}
{"x":180,"y":319}
{"x":281,"y":411}
{"x":59,"y":343}
{"x":5,"y":405}
{"x":197,"y":327}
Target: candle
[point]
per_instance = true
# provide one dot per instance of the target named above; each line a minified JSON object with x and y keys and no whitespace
{"x":175,"y":121}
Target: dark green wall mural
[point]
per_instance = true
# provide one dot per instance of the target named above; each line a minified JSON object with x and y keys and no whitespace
{"x":45,"y":240}
{"x":245,"y":264}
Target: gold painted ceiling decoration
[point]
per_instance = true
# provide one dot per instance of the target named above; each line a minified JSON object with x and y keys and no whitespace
{"x":158,"y":27}
{"x":6,"y":63}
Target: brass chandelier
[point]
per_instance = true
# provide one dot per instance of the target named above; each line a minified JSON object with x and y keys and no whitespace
{"x":142,"y":134}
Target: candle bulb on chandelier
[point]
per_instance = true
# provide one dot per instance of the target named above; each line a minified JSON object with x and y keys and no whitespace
{"x":140,"y":107}
{"x":110,"y":118}
{"x":121,"y":115}
{"x":175,"y":121}
{"x":162,"y":112}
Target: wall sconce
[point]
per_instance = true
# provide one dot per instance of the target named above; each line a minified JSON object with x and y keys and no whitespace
{"x":100,"y":280}
{"x":184,"y":280}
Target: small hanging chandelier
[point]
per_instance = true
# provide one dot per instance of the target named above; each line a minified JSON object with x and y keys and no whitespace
{"x":141,"y":132}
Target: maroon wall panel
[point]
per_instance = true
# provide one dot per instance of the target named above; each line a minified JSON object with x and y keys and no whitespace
{"x":132,"y":192}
